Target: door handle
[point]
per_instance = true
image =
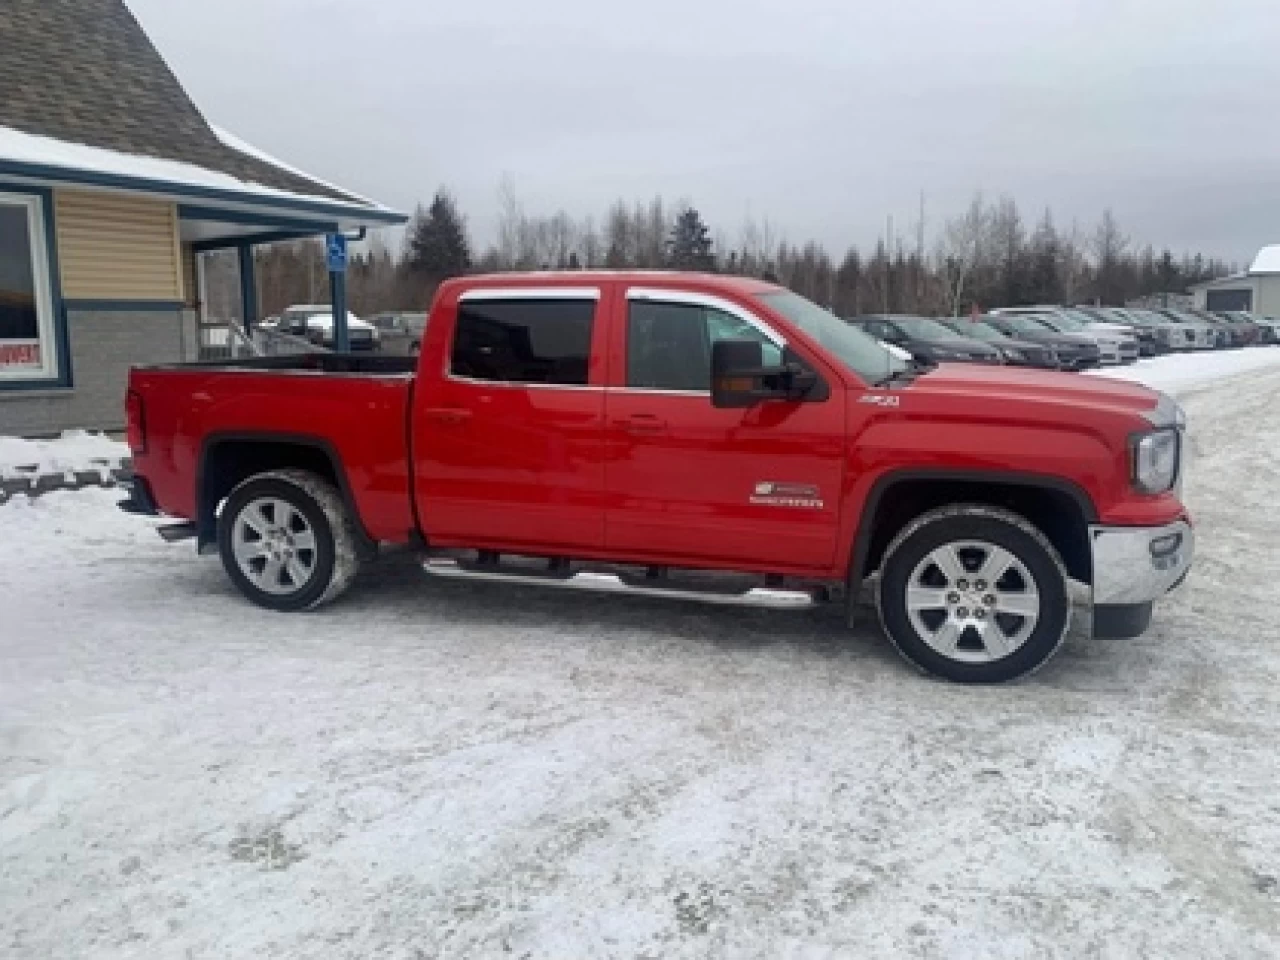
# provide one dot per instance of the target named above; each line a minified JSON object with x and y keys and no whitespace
{"x":643,"y":424}
{"x":449,"y":416}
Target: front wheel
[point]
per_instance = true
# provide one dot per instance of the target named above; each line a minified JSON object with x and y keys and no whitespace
{"x":287,"y":540}
{"x":974,"y":594}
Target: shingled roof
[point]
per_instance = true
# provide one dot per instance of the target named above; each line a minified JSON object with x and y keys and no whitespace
{"x":84,"y":71}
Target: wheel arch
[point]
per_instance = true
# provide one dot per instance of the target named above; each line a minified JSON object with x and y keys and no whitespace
{"x":227,"y":459}
{"x":1059,"y":508}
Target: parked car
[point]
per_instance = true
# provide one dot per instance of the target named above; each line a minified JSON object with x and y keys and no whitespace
{"x":315,"y":323}
{"x":678,"y":435}
{"x":400,"y":332}
{"x":927,"y":338}
{"x":1268,"y":327}
{"x":1111,"y":345}
{"x":1074,"y":351}
{"x":1151,"y":331}
{"x":1019,"y":353}
{"x":1116,"y":343}
{"x":1199,"y":331}
{"x":1245,"y":331}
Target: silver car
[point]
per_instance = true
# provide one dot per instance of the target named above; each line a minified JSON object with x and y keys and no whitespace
{"x":1116,"y":342}
{"x":1196,"y":332}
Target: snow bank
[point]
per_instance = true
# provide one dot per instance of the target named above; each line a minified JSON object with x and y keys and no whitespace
{"x":1177,"y":373}
{"x":76,"y":451}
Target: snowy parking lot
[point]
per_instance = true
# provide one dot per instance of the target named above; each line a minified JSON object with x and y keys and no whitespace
{"x":436,"y":769}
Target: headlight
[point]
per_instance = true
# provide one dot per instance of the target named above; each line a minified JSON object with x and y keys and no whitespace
{"x":1013,"y":353}
{"x":1155,"y":461}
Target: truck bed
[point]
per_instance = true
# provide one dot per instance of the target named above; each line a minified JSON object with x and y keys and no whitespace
{"x":350,"y":409}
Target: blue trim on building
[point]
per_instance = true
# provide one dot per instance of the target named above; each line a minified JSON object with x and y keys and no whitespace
{"x":125,"y":306}
{"x":117,"y":181}
{"x":253,"y":239}
{"x":189,"y":211}
{"x":63,"y":379}
{"x":248,"y":289}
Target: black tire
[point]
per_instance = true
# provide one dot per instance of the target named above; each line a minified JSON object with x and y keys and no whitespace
{"x":992,"y":525}
{"x":335,"y":561}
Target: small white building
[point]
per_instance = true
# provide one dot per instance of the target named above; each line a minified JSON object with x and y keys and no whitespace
{"x":1257,"y":290}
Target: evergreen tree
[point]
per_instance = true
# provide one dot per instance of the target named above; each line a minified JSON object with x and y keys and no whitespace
{"x":437,"y":240}
{"x":1045,"y":284}
{"x":848,"y":285}
{"x":689,"y":246}
{"x":1167,"y":271}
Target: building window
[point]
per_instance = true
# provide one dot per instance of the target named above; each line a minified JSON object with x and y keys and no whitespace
{"x":1229,"y":300}
{"x":28,"y":348}
{"x":523,"y":341}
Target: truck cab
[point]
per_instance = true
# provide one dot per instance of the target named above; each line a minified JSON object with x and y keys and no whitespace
{"x":705,"y":437}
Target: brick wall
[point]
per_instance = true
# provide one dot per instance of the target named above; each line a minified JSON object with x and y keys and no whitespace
{"x":104,"y":344}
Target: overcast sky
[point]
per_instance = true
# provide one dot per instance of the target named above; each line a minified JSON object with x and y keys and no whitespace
{"x":824,"y":116}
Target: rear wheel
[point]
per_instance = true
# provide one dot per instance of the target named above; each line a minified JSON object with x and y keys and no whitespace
{"x":974,"y":594}
{"x":287,"y":540}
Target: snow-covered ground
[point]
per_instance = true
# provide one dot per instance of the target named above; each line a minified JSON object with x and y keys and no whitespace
{"x":76,"y":451}
{"x":1177,"y":373}
{"x":436,"y":769}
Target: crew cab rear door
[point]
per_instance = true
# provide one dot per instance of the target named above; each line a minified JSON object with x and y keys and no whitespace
{"x":508,"y":433}
{"x":690,"y":484}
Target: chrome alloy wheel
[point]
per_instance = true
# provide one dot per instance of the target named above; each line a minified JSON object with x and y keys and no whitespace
{"x":972,"y":601}
{"x":274,"y":545}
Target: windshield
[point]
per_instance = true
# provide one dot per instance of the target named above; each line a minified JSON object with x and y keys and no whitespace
{"x":1060,"y":322}
{"x":923,"y":328}
{"x":863,"y":354}
{"x":1025,"y":324}
{"x":976,"y":329}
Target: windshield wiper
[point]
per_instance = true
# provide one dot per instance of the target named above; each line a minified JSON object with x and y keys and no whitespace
{"x":915,"y":368}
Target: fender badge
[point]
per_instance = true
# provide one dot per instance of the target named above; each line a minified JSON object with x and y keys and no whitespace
{"x":768,"y":493}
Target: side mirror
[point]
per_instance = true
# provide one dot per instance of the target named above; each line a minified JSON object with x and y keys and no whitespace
{"x":739,"y":377}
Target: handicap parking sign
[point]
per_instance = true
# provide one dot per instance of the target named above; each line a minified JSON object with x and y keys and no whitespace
{"x":335,"y":252}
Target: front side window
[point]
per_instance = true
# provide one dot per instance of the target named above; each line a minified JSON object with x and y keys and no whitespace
{"x":523,"y":341}
{"x":669,"y":344}
{"x":858,"y":350}
{"x":27,"y":349}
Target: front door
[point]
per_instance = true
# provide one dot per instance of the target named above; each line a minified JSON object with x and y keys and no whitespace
{"x":507,"y":444}
{"x":689,"y":484}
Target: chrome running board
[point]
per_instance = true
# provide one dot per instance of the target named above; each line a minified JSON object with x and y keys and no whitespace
{"x":766,"y":597}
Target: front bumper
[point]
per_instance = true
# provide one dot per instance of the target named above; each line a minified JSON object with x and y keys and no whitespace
{"x":1079,"y":360}
{"x":1133,"y":565}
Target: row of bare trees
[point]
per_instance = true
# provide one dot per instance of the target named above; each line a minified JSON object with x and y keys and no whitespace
{"x":985,"y":256}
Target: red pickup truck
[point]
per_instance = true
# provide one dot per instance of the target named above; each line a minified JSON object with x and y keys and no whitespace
{"x":672,"y":434}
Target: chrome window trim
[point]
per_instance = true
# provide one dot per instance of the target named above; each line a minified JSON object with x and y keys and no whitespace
{"x":530,"y":293}
{"x":523,"y":384}
{"x":689,"y":298}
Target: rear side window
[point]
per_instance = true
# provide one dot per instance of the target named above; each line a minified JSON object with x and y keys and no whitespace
{"x":523,"y":341}
{"x":669,"y":344}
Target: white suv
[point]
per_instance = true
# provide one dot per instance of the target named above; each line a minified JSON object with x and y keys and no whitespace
{"x":314,"y":321}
